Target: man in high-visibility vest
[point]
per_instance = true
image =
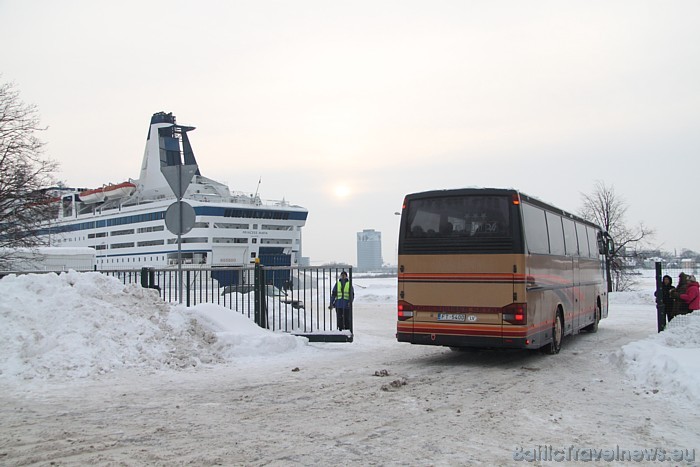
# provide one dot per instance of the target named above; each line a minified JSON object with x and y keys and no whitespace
{"x":341,"y":299}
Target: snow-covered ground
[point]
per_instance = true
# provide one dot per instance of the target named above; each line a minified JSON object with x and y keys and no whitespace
{"x":93,"y":372}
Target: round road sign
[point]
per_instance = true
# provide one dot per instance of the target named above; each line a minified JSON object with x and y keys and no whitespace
{"x":172,"y":218}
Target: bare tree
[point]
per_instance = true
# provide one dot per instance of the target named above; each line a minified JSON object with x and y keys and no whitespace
{"x":608,"y":209}
{"x":25,"y":176}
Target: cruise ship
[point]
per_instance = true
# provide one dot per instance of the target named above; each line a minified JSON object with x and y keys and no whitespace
{"x":125,"y":223}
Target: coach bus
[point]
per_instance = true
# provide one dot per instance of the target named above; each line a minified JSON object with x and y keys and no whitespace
{"x":485,"y":267}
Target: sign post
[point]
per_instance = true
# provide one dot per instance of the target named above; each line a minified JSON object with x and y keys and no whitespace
{"x":180,"y":216}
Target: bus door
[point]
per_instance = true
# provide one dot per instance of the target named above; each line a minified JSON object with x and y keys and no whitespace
{"x":572,"y":276}
{"x":577,"y":303}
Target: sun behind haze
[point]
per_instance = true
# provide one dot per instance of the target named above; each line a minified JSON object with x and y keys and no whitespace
{"x":341,"y":191}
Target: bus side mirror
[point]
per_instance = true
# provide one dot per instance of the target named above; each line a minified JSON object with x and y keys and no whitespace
{"x":605,"y":243}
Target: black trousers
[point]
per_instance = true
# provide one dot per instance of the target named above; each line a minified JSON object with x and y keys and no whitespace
{"x":343,"y":317}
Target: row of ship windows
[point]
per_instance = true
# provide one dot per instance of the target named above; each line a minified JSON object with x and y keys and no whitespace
{"x":161,"y":216}
{"x":198,"y":225}
{"x":115,"y":233}
{"x":187,"y":258}
{"x":152,"y":216}
{"x":173,"y":241}
{"x":129,"y":260}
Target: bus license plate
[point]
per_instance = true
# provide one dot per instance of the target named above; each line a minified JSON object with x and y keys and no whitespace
{"x":451,"y":317}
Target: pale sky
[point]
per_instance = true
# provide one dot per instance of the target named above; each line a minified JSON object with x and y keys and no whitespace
{"x":343,"y":107}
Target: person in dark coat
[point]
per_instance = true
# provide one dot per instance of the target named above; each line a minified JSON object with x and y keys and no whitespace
{"x":680,"y":307}
{"x":342,"y":297}
{"x":666,"y":298}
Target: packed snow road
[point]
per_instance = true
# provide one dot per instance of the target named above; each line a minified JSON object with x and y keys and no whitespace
{"x":372,"y":402}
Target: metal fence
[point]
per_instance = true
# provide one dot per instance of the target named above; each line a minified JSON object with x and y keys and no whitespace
{"x":665,"y":318}
{"x":288,"y":299}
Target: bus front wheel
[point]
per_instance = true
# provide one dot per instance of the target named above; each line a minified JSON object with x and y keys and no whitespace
{"x":557,"y":335}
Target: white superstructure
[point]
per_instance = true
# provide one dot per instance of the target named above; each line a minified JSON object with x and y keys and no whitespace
{"x":125,"y":222}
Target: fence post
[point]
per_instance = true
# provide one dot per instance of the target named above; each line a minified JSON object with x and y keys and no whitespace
{"x":148,"y":277}
{"x":188,"y":287}
{"x":660,"y":307}
{"x":144,"y":277}
{"x":260,"y":312}
{"x":256,"y":293}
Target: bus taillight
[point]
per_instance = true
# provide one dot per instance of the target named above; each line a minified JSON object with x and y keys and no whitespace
{"x":515,"y":313}
{"x":405,"y":310}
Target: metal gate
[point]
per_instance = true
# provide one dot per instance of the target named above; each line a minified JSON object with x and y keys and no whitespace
{"x":279,"y":298}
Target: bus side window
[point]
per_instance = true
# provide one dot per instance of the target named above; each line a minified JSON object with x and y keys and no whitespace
{"x":570,"y":237}
{"x":556,"y":234}
{"x":592,"y":242}
{"x":582,"y":240}
{"x":535,"y":229}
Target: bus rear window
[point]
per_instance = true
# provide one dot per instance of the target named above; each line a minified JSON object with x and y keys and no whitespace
{"x":460,"y":217}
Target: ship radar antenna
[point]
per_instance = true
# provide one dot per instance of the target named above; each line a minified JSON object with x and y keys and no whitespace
{"x":258,"y":187}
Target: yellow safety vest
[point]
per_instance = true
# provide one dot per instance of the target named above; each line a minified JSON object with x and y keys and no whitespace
{"x":342,"y":293}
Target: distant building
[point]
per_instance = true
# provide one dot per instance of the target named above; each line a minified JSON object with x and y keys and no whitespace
{"x":49,"y":258}
{"x":369,"y":250}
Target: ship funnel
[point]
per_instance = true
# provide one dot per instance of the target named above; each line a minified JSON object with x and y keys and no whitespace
{"x":167,"y":145}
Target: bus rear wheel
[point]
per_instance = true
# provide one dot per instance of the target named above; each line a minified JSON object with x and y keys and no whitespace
{"x":557,"y":335}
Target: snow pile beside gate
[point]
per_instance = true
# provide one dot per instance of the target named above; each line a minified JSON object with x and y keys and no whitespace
{"x":78,"y":325}
{"x":236,"y":335}
{"x":667,"y":363}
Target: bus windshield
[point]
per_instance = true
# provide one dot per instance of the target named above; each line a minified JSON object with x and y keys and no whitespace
{"x":461,"y":217}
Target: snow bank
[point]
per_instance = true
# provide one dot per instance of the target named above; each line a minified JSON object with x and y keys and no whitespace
{"x":236,"y":335}
{"x":77,"y":325}
{"x":81,"y":325}
{"x":667,"y":362}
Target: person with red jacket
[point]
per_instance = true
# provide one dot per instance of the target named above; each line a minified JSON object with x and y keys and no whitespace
{"x":692,"y":295}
